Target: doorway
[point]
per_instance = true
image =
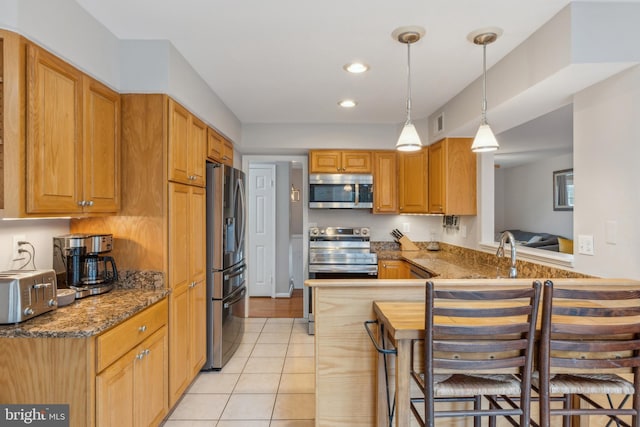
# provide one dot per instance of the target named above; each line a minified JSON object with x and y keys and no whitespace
{"x":262,"y":230}
{"x":290,"y":243}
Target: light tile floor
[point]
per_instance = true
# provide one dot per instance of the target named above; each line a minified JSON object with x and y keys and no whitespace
{"x":269,"y":382}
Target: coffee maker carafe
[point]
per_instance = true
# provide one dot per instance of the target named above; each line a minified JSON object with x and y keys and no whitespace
{"x":80,"y":263}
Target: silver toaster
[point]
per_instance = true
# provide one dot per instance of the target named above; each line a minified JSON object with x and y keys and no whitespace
{"x":26,"y":293}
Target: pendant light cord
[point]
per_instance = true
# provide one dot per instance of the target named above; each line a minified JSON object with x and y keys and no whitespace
{"x":408,"y":82}
{"x":484,"y":84}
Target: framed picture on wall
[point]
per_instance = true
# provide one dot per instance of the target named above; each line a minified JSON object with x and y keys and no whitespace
{"x":563,"y":190}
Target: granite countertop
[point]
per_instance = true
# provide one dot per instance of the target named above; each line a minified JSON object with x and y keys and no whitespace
{"x":91,"y":315}
{"x":443,"y":265}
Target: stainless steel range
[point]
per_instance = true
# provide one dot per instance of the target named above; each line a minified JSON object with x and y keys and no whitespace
{"x":339,"y":253}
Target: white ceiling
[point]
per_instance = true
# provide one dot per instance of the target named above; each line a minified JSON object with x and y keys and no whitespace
{"x":280,"y":61}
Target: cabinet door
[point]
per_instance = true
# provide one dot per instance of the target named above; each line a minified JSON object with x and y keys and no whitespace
{"x":393,"y":269}
{"x":179,"y":125}
{"x":459,"y":172}
{"x":54,"y":123}
{"x":198,"y":328}
{"x":413,"y":188}
{"x":227,"y":153}
{"x":179,"y":337}
{"x":215,"y":145}
{"x":179,"y":230}
{"x":437,"y":177}
{"x":196,"y":236}
{"x":197,"y":277}
{"x":196,"y":153}
{"x":325,"y":161}
{"x":115,"y":398}
{"x":385,"y":182}
{"x":356,"y":161}
{"x":101,"y":148}
{"x":151,"y":384}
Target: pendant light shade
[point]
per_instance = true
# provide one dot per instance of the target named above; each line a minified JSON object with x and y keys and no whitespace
{"x":485,"y":140}
{"x":409,"y":139}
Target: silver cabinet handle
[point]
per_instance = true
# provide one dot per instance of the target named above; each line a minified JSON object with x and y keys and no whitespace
{"x":82,"y":203}
{"x":142,"y":328}
{"x":90,"y":203}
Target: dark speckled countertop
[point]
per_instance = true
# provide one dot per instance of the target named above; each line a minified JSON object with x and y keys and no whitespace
{"x":95,"y":314}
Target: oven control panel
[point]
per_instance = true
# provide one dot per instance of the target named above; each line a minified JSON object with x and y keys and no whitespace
{"x":339,"y":231}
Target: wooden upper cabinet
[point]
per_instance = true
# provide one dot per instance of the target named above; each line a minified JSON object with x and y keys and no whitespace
{"x":72,"y":140}
{"x":336,"y":161}
{"x":196,"y":149}
{"x":219,"y":149}
{"x":385,"y":182}
{"x":54,"y":134}
{"x":412,"y":181}
{"x":452,"y":177}
{"x":187,"y":141}
{"x":101,"y":147}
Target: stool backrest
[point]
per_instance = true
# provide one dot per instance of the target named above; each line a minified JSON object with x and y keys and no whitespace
{"x":585,"y":329}
{"x":480,"y":330}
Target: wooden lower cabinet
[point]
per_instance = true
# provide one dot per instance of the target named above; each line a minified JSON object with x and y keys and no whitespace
{"x":133,"y":390}
{"x":179,"y":369}
{"x":393,"y":269}
{"x":118,"y":378}
{"x":130,"y":392}
{"x":188,"y":337}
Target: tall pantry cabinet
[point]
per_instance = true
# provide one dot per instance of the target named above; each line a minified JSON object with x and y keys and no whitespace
{"x":162,"y":221}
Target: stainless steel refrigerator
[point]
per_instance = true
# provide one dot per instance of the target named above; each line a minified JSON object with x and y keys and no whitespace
{"x":226,"y":267}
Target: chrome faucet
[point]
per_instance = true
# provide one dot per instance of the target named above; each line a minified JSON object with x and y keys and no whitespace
{"x":513,"y":273}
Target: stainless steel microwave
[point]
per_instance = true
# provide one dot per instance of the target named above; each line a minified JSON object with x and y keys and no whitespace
{"x":341,"y":191}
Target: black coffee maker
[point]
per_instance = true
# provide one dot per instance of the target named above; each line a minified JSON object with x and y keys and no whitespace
{"x":81,"y":264}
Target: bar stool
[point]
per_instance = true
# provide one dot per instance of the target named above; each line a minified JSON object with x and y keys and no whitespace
{"x":586,"y":337}
{"x":478,"y":345}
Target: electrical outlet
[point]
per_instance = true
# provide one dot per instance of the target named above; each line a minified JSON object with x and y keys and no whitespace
{"x":406,"y":227}
{"x":17,"y":238}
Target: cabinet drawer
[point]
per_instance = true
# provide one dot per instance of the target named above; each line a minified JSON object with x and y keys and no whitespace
{"x":112,"y":344}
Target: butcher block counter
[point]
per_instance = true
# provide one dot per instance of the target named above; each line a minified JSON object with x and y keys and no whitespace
{"x":105,"y":356}
{"x":346,"y":361}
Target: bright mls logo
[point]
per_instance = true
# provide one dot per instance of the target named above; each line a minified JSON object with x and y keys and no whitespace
{"x":34,"y":415}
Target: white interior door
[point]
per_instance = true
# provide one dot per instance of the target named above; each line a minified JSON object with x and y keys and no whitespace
{"x":262,"y":230}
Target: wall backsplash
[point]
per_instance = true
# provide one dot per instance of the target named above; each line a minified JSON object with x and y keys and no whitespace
{"x":39,"y":232}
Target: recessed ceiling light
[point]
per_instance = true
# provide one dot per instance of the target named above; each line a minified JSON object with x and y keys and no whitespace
{"x":356,"y":67}
{"x":347,"y":103}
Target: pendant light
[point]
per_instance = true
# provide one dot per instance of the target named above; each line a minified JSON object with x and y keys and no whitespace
{"x":485,"y":140}
{"x":409,"y":139}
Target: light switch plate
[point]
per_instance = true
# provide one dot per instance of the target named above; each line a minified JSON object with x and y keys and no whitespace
{"x":585,"y":244}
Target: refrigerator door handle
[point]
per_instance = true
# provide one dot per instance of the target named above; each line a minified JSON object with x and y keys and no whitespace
{"x":240,"y":215}
{"x":237,"y":299}
{"x":238,"y":271}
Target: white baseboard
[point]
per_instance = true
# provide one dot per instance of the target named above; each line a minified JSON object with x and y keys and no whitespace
{"x":286,"y":294}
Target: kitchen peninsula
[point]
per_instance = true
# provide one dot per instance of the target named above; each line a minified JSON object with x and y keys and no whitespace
{"x":346,"y":362}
